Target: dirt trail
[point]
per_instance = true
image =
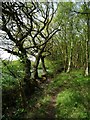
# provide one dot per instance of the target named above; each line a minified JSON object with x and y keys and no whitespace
{"x":51,"y":108}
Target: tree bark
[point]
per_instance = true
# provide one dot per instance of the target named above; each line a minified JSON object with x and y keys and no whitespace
{"x":43,"y":66}
{"x":66,"y":59}
{"x":71,"y":46}
{"x":36,"y":67}
{"x":37,"y":62}
{"x":27,"y":75}
{"x":22,"y":95}
{"x":70,"y":57}
{"x":87,"y":47}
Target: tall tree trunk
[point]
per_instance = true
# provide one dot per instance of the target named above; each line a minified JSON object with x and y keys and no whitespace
{"x":70,"y":57}
{"x":87,"y":66}
{"x":71,"y":45}
{"x":22,"y":95}
{"x":66,"y":58}
{"x":25,"y":85}
{"x":66,"y":53}
{"x":43,"y":65}
{"x":28,"y":85}
{"x":87,"y":71}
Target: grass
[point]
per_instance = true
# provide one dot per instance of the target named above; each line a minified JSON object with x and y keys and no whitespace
{"x":72,"y":97}
{"x":73,"y":102}
{"x":69,"y":105}
{"x":38,"y":106}
{"x":71,"y":92}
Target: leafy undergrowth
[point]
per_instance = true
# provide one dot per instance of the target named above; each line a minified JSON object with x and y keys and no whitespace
{"x":66,"y":96}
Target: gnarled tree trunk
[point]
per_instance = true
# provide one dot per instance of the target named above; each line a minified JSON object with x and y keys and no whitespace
{"x":27,"y":82}
{"x":37,"y":62}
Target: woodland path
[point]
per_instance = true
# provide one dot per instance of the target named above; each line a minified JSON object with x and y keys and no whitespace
{"x":50,"y":108}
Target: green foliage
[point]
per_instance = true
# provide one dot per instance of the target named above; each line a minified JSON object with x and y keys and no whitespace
{"x":42,"y":105}
{"x":49,"y":67}
{"x":18,"y":114}
{"x":12,"y":72}
{"x":73,"y":101}
{"x":48,"y":64}
{"x":69,"y":105}
{"x":45,"y":100}
{"x":72,"y":97}
{"x":72,"y":90}
{"x":59,"y":81}
{"x":39,"y":105}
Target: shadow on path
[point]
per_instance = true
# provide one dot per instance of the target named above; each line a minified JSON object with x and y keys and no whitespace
{"x":51,"y":108}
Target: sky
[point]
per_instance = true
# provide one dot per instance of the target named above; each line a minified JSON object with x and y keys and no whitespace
{"x":6,"y":56}
{"x":3,"y":54}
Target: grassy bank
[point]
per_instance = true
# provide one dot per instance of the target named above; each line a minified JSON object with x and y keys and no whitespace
{"x":65,"y":96}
